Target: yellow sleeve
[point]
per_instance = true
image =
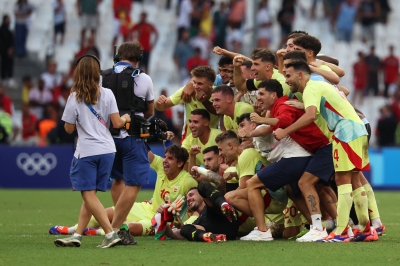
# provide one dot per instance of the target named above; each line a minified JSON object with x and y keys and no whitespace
{"x":311,"y":97}
{"x":157,"y":164}
{"x":227,"y":122}
{"x":176,"y":97}
{"x":188,"y":184}
{"x":246,"y":108}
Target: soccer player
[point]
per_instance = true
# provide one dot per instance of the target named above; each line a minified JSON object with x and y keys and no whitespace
{"x":202,"y":136}
{"x":202,"y":80}
{"x":224,"y":104}
{"x":337,"y":119}
{"x":225,"y":69}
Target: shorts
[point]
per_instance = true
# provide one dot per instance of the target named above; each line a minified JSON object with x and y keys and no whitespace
{"x":351,"y":156}
{"x":131,"y":161}
{"x":145,"y":60}
{"x":321,"y":164}
{"x":91,"y":173}
{"x":284,"y":172}
{"x":89,"y":21}
{"x":59,"y":28}
{"x":142,"y":212}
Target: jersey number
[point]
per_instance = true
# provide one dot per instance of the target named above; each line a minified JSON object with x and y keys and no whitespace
{"x":336,"y":155}
{"x":292,"y":211}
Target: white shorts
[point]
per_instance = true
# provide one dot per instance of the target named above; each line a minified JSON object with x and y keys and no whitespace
{"x":89,"y":21}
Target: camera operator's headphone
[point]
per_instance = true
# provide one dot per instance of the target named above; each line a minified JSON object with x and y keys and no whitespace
{"x":136,"y":58}
{"x":88,"y":55}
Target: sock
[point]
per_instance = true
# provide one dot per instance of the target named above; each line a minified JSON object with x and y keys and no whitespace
{"x":344,"y":204}
{"x":376,"y":222}
{"x":124,"y":227}
{"x":109,"y":235}
{"x":75,"y":234}
{"x":191,"y":233}
{"x":361,"y":206}
{"x":71,"y":230}
{"x":208,"y":191}
{"x":328,"y":224}
{"x":317,"y":221}
{"x":372,"y":207}
{"x":353,"y":214}
{"x":100,"y":232}
{"x":115,"y":230}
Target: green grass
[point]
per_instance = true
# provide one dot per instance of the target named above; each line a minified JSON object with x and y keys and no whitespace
{"x":26,"y":216}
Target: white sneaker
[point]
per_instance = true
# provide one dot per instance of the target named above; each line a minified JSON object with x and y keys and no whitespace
{"x":257,"y":235}
{"x":313,"y":235}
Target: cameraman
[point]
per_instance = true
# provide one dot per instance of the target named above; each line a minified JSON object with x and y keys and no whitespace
{"x":131,"y":165}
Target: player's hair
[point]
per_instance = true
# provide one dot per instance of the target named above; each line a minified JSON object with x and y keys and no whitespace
{"x":224,"y":89}
{"x":213,"y":149}
{"x":204,"y":72}
{"x":296,"y":33}
{"x":247,"y":64}
{"x":245,"y":116}
{"x":328,"y":59}
{"x":265,"y":55}
{"x":299,"y":66}
{"x":130,"y":51}
{"x":224,"y":60}
{"x":86,"y":80}
{"x":203,"y":112}
{"x":295,"y":55}
{"x":179,"y":153}
{"x":308,"y":42}
{"x":192,"y":189}
{"x":272,"y":85}
{"x":227,"y":135}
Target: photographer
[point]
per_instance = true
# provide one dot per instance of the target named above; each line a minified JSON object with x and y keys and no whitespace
{"x":131,"y":165}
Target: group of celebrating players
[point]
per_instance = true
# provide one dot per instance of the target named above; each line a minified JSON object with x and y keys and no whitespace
{"x":271,"y":148}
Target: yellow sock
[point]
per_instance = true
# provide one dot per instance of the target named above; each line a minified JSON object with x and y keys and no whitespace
{"x":361,"y":206}
{"x":372,"y":206}
{"x":344,"y":205}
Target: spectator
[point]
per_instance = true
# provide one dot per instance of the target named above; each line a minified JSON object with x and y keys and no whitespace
{"x":385,"y":10}
{"x":343,"y":20}
{"x":386,"y":129}
{"x":51,"y":78}
{"x":144,"y":32}
{"x":369,"y":12}
{"x":286,"y":18}
{"x":7,"y":52}
{"x":195,"y":17}
{"x":87,"y":11}
{"x":206,"y":21}
{"x":185,"y":12}
{"x":58,"y":91}
{"x":220,"y":22}
{"x":183,"y":51}
{"x":29,"y":126}
{"x":22,"y":12}
{"x":196,"y":60}
{"x":49,"y":122}
{"x":58,"y":135}
{"x":60,"y":18}
{"x":390,"y":67}
{"x":264,"y":23}
{"x":201,"y":41}
{"x":122,"y":19}
{"x":6,"y":101}
{"x":237,"y":13}
{"x":90,"y":48}
{"x":395,"y":106}
{"x":5,"y":125}
{"x":360,"y":79}
{"x":27,"y":86}
{"x":374,"y":64}
{"x":39,"y":97}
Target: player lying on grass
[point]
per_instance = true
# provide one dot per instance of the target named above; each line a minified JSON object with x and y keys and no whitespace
{"x":172,"y":181}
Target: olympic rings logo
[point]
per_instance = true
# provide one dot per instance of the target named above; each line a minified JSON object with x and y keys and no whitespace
{"x":36,"y":163}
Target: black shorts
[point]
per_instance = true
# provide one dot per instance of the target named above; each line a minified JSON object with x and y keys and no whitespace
{"x":59,"y":28}
{"x":321,"y":164}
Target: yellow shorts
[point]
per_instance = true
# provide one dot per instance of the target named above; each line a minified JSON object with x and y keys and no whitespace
{"x":351,"y":156}
{"x":142,"y":212}
{"x":292,"y":215}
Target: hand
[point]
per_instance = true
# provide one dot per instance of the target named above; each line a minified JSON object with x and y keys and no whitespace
{"x":229,"y":175}
{"x":257,"y":107}
{"x":194,"y":172}
{"x":280,"y":134}
{"x":176,"y":206}
{"x":188,"y":92}
{"x":238,"y":60}
{"x":127,"y":118}
{"x":317,"y":63}
{"x":243,"y":134}
{"x":170,"y":135}
{"x":280,"y":53}
{"x":218,"y":50}
{"x":194,"y":150}
{"x":162,"y":100}
{"x":254,"y":117}
{"x":296,"y":104}
{"x":160,"y":208}
{"x":201,"y":96}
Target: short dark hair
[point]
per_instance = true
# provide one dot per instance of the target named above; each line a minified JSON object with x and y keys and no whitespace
{"x":272,"y":85}
{"x":180,"y":154}
{"x":224,"y":60}
{"x":203,"y":112}
{"x":192,"y":189}
{"x":204,"y":72}
{"x":299,"y":66}
{"x":295,"y":55}
{"x":247,"y":64}
{"x":227,"y":135}
{"x":130,"y":51}
{"x":224,"y":89}
{"x":265,"y":55}
{"x":213,"y":148}
{"x":296,"y":33}
{"x":245,"y":116}
{"x":308,"y":42}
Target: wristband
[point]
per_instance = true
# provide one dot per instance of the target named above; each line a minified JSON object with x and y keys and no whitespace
{"x":202,"y":171}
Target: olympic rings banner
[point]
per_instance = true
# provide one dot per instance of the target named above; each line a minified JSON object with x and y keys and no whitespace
{"x":44,"y":167}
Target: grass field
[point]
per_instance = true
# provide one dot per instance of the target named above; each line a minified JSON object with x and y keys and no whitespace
{"x":26,"y":216}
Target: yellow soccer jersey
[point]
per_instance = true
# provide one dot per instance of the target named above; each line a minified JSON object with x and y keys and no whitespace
{"x":240,"y":108}
{"x":232,"y":169}
{"x":335,"y":115}
{"x":189,"y":141}
{"x":250,"y":162}
{"x":189,"y":107}
{"x":173,"y":188}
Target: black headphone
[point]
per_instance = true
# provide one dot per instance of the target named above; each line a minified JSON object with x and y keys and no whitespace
{"x":88,"y":55}
{"x":136,"y":58}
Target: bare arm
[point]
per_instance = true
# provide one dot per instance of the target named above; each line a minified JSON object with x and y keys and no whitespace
{"x":219,"y":51}
{"x":163,"y":103}
{"x":338,"y":70}
{"x":240,"y":82}
{"x":242,"y":181}
{"x":69,"y":128}
{"x":119,"y":121}
{"x":329,"y":75}
{"x":263,"y":120}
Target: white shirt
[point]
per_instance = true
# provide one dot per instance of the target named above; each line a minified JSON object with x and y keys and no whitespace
{"x":184,"y":14}
{"x":42,"y":97}
{"x":264,"y":17}
{"x":51,"y":80}
{"x":59,"y":16}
